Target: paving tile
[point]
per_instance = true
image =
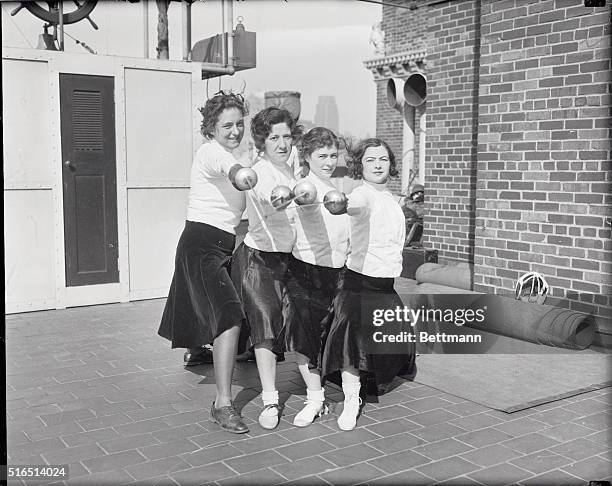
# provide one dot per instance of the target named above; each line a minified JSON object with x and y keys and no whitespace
{"x":387,"y":413}
{"x":158,"y":481}
{"x":460,"y":481}
{"x":428,"y":403}
{"x":420,"y":392}
{"x":168,"y":449}
{"x":531,"y":443}
{"x":483,"y":437}
{"x":490,"y":455}
{"x":522,"y":426}
{"x":541,"y":461}
{"x":307,"y":448}
{"x":310,"y":432}
{"x":602,"y":437}
{"x":259,"y":477}
{"x":442,"y":449}
{"x":396,"y":443}
{"x":352,"y":455}
{"x":261,"y":443}
{"x":586,"y":407}
{"x":581,"y":448}
{"x":118,"y":476}
{"x":184,"y":418}
{"x":399,"y":461}
{"x":104,"y":422}
{"x":142,"y":427}
{"x":175,"y":433}
{"x":591,"y":469}
{"x":476,"y":421}
{"x":307,"y":481}
{"x":212,"y":438}
{"x":433,"y":417}
{"x":500,"y":474}
{"x":392,"y":427}
{"x":566,"y":432}
{"x":252,"y":462}
{"x":403,"y":478}
{"x":303,"y":467}
{"x":91,"y":437}
{"x":73,"y":454}
{"x":596,"y":421}
{"x":202,"y":474}
{"x":447,"y":468}
{"x":127,"y":443}
{"x":140,"y":413}
{"x":352,"y":475}
{"x":15,"y":452}
{"x":556,"y":416}
{"x":433,"y":433}
{"x":112,"y":462}
{"x":64,"y":417}
{"x":212,"y":454}
{"x":465,"y":408}
{"x":552,"y":478}
{"x":155,"y":468}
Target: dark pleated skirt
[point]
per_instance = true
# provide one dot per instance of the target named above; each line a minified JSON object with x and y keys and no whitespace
{"x":350,"y":329}
{"x":202,"y":301}
{"x":310,"y":293}
{"x":260,"y":277}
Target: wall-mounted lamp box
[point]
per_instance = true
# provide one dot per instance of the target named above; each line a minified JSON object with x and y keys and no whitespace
{"x":210,"y":51}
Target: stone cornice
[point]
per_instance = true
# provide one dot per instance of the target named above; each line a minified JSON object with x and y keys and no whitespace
{"x":400,"y":64}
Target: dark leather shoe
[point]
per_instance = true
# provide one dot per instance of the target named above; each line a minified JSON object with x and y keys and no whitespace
{"x":248,"y":355}
{"x":228,"y":418}
{"x":198,"y":356}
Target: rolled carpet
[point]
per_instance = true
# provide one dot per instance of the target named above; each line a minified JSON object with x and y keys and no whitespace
{"x":536,"y":323}
{"x":457,"y":275}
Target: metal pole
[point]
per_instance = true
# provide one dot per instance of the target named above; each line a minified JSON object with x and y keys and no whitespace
{"x":145,"y":28}
{"x":230,"y":34}
{"x":186,"y":11}
{"x":223,"y":36}
{"x":60,"y":11}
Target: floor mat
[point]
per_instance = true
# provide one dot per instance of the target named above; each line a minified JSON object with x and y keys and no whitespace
{"x":512,"y":382}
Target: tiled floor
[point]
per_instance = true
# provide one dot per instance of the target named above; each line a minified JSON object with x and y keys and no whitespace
{"x":97,"y":389}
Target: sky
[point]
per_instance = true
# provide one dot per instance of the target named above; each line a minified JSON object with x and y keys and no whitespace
{"x":316,"y":47}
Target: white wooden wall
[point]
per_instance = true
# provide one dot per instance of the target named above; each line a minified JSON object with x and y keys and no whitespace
{"x":157,"y":133}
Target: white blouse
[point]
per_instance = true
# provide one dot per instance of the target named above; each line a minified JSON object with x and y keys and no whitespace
{"x":377,"y":231}
{"x":269,"y":229}
{"x":321,"y":237}
{"x":212,"y":197}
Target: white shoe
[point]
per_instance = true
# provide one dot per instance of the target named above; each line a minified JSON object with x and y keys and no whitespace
{"x":314,"y":407}
{"x":270,"y":416}
{"x":348,"y":417}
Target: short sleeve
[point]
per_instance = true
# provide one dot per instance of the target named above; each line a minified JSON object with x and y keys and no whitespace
{"x":214,"y":161}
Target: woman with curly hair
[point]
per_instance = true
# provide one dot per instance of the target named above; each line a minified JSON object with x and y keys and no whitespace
{"x":377,"y":233}
{"x":259,"y":267}
{"x":318,"y":256}
{"x":203,"y":306}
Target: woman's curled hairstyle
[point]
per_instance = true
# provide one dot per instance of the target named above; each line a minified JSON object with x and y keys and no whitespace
{"x":315,"y":139}
{"x":215,"y":106}
{"x":356,"y":153}
{"x":262,"y":122}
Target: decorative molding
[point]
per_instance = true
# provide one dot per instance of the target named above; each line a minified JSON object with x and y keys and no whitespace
{"x":396,"y":65}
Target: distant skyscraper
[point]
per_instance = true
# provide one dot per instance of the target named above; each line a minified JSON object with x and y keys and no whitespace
{"x":326,"y":113}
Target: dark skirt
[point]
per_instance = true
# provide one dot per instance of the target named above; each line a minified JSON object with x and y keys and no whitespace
{"x":260,"y":278}
{"x":310,"y":293}
{"x":202,"y":302}
{"x":349,"y":341}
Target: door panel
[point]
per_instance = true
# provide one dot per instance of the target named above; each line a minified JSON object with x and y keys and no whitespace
{"x":89,"y":176}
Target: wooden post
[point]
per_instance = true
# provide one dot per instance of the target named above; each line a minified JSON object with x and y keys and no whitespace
{"x":162,"y":29}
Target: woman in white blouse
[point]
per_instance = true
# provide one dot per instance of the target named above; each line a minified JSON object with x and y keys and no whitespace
{"x":377,"y":233}
{"x":318,"y":256}
{"x":259,"y":267}
{"x":203,"y":306}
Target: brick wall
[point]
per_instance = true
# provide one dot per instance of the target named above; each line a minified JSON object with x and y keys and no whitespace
{"x":544,"y":149}
{"x":518,"y":139}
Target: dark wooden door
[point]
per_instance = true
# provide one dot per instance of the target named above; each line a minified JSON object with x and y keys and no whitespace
{"x":89,"y":176}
